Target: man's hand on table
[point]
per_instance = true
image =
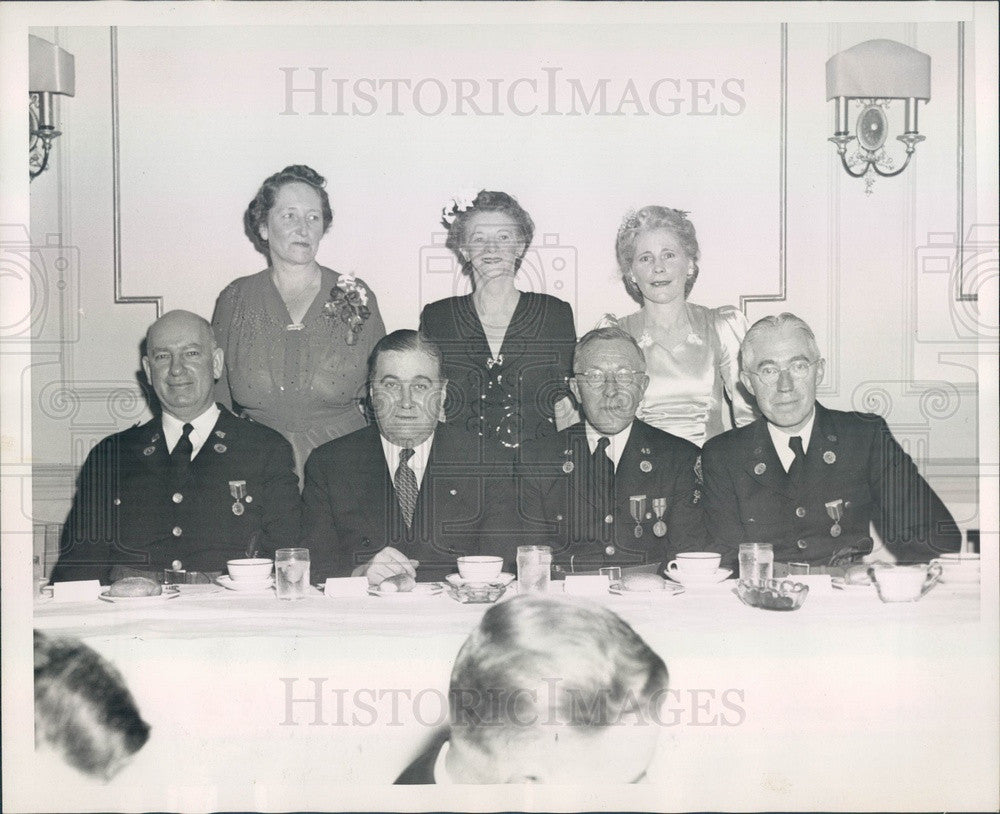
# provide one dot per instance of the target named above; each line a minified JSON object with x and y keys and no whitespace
{"x":389,"y":563}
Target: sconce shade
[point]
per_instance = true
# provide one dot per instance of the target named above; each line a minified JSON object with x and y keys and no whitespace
{"x":50,"y":68}
{"x":879,"y":69}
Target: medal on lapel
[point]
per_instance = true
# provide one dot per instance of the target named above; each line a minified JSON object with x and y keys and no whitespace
{"x":835,"y":509}
{"x":238,"y":489}
{"x":637,"y":508}
{"x":659,"y":506}
{"x":567,"y":466}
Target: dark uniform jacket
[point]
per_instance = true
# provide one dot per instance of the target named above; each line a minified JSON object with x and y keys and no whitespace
{"x":351,"y":510}
{"x":554,"y":505}
{"x":130,"y":512}
{"x":421,"y":771}
{"x":852,"y":457}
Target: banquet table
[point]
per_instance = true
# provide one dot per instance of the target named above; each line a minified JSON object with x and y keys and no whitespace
{"x":260,"y":704}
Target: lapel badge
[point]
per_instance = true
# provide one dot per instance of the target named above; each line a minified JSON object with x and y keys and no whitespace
{"x":760,"y":469}
{"x":220,"y":434}
{"x":829,"y":457}
{"x":155,"y":438}
{"x":645,"y":466}
{"x":453,"y":492}
{"x":149,"y":451}
{"x":758,"y":450}
{"x":832,"y":439}
{"x":567,"y":467}
{"x":220,"y":447}
{"x":645,"y":451}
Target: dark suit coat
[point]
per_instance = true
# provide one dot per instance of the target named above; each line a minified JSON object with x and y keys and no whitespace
{"x":552,"y":506}
{"x":851,"y":457}
{"x":351,"y":511}
{"x":537,"y":360}
{"x":421,"y":771}
{"x":128,"y":512}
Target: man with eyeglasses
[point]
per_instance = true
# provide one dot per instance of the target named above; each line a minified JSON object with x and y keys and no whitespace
{"x":611,"y":490}
{"x":809,"y":480}
{"x":401,"y":499}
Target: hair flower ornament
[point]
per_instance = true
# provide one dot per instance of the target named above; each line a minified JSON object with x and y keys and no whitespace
{"x":349,"y":303}
{"x":460,"y":203}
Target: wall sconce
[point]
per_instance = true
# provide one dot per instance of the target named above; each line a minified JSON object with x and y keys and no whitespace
{"x":50,"y":70}
{"x":873,"y":73}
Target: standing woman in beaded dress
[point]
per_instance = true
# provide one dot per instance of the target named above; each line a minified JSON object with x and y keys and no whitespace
{"x":296,"y":335}
{"x":692,"y":352}
{"x":507,"y":353}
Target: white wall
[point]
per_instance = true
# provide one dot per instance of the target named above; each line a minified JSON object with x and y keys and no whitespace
{"x":201,"y":126}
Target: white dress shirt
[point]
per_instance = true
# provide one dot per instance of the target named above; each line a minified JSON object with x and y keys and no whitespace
{"x":173,"y":429}
{"x":617,"y":442}
{"x":418,"y":462}
{"x":779,"y":437}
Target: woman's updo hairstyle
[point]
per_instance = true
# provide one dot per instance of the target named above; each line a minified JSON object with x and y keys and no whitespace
{"x":648,"y":219}
{"x":455,"y":216}
{"x":260,"y":206}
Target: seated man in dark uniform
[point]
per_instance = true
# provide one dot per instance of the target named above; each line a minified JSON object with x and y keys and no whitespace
{"x":611,"y":489}
{"x":196,"y":485}
{"x":810,"y":480}
{"x":548,"y":690}
{"x":404,"y":496}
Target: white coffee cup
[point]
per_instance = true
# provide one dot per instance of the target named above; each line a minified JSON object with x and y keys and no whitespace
{"x":904,"y":583}
{"x":695,"y":563}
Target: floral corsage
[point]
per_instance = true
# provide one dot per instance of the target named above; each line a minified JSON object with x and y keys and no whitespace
{"x":349,"y":303}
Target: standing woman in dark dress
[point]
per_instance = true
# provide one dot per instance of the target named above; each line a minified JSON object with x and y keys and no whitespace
{"x":507,"y":353}
{"x":296,"y":336}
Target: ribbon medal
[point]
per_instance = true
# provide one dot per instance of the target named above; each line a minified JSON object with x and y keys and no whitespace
{"x":637,"y":508}
{"x":238,"y":489}
{"x":659,"y":506}
{"x":835,"y":509}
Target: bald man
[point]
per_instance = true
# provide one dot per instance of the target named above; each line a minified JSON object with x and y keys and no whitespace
{"x":195,"y":484}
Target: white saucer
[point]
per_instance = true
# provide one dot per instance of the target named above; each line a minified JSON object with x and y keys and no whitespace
{"x":669,"y":589}
{"x":420,"y":590}
{"x":718,"y":575}
{"x":138,"y":600}
{"x":456,"y":580}
{"x":245,"y":586}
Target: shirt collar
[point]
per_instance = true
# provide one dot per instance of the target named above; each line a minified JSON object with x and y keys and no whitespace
{"x":618,"y":441}
{"x":780,"y":436}
{"x":441,"y":776}
{"x":202,"y":426}
{"x":418,"y":463}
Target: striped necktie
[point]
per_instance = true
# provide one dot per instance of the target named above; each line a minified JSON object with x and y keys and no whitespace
{"x":405,"y":483}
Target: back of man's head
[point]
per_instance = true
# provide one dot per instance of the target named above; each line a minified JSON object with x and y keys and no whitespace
{"x":542,"y":675}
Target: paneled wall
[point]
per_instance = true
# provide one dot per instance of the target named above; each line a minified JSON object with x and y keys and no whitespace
{"x":172,"y":130}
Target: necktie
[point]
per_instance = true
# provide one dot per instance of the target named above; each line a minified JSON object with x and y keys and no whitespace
{"x":603,"y":469}
{"x":795,"y":470}
{"x":180,"y":458}
{"x":405,"y":483}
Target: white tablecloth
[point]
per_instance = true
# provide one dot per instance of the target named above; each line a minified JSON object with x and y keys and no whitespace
{"x":848,"y":703}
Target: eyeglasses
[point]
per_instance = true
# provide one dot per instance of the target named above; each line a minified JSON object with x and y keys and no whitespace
{"x":769,"y":374}
{"x":598,"y":378}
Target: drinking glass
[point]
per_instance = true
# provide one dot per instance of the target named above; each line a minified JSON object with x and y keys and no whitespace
{"x":756,"y":562}
{"x":798,"y":568}
{"x":614,"y":575}
{"x":534,"y":566}
{"x":291,"y":569}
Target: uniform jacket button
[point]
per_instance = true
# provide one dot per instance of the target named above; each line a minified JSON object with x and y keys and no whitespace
{"x":177,"y":531}
{"x":609,"y":519}
{"x":177,"y":498}
{"x":610,"y":551}
{"x":800,"y":512}
{"x":802,"y":545}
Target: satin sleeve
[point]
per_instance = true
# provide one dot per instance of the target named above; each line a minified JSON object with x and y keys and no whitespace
{"x":730,"y":327}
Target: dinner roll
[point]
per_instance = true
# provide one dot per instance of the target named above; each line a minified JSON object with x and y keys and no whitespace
{"x":401,"y":583}
{"x":643,"y":582}
{"x":135,"y":586}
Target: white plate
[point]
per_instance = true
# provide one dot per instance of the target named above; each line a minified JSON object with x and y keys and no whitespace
{"x":243,"y":586}
{"x":456,"y":580}
{"x":139,"y":600}
{"x":421,"y":589}
{"x":707,"y":579}
{"x":669,"y":589}
{"x":197,"y":588}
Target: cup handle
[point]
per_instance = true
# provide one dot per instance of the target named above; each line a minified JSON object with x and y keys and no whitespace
{"x":933,"y":575}
{"x":672,"y":565}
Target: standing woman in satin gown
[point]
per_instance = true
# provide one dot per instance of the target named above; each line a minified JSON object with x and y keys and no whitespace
{"x":507,"y":353}
{"x":692,"y":352}
{"x":296,"y":335}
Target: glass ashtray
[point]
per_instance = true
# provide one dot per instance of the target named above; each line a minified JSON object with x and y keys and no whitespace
{"x":773,"y":594}
{"x":469,"y":593}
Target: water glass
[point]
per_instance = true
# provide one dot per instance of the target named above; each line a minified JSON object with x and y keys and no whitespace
{"x":291,"y":570}
{"x":534,"y":567}
{"x":614,"y":575}
{"x":756,"y":562}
